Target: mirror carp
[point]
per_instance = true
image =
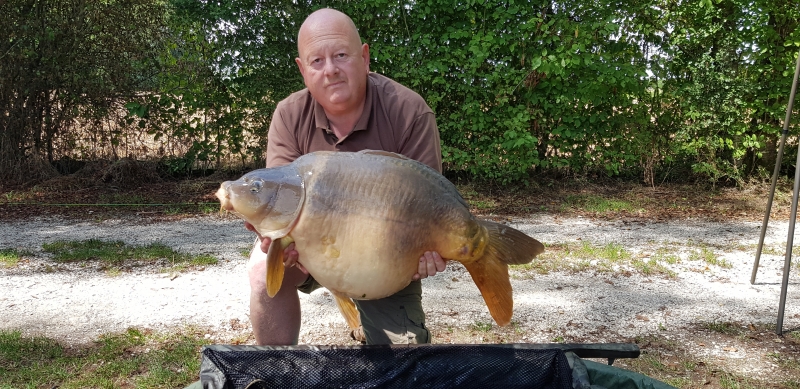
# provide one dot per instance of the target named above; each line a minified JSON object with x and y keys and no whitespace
{"x":360,"y":222}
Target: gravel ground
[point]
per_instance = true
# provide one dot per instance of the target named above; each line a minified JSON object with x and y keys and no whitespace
{"x":76,"y":303}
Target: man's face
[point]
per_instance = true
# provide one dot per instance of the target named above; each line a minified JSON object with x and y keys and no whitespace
{"x":334,"y":65}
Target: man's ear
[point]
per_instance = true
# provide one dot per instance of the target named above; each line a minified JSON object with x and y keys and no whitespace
{"x":300,"y":66}
{"x":365,"y":55}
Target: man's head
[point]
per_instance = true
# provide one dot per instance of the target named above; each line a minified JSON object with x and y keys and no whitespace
{"x":333,"y":61}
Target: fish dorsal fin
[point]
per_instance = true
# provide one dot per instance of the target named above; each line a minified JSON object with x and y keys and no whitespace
{"x":385,"y":154}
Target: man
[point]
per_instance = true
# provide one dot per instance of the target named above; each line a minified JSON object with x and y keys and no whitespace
{"x":344,"y":107}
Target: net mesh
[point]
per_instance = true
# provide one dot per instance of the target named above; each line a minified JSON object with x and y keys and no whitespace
{"x":429,"y":366}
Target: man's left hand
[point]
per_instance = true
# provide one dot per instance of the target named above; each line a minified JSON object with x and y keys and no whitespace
{"x":430,"y":263}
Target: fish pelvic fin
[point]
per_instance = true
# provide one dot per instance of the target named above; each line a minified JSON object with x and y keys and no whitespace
{"x":275,"y":266}
{"x":348,"y":309}
{"x":509,"y":245}
{"x":505,"y":246}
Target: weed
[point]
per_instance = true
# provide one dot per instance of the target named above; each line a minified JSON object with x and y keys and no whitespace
{"x":730,"y":381}
{"x":124,"y":198}
{"x":596,"y":204}
{"x":652,"y":267}
{"x":576,"y":258}
{"x":688,"y":365}
{"x":558,"y":339}
{"x":208,"y":208}
{"x":10,"y":257}
{"x":130,"y":359}
{"x":113,"y":271}
{"x":245,"y":251}
{"x":678,"y":382}
{"x":792,"y":384}
{"x":481,"y":326}
{"x":663,"y":254}
{"x":708,"y":256}
{"x":726,"y":328}
{"x":118,"y":252}
{"x":785,"y":362}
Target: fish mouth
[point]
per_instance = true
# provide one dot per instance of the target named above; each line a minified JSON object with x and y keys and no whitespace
{"x":224,"y":197}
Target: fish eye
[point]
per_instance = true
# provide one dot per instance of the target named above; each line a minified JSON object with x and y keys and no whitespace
{"x":255,"y":186}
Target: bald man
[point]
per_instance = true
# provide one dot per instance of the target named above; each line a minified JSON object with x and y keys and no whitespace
{"x":344,"y":107}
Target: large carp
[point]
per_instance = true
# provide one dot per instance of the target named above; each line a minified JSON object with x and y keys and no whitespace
{"x":361,"y":221}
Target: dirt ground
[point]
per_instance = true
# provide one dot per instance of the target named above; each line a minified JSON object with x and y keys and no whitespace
{"x":669,"y":357}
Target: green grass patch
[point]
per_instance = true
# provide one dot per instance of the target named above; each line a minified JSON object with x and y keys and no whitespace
{"x":481,"y":326}
{"x":652,"y":266}
{"x":478,"y":201}
{"x":118,"y":252}
{"x":665,"y":255}
{"x":10,"y":257}
{"x":726,"y":328}
{"x":704,"y":254}
{"x":135,"y":358}
{"x":597,"y":204}
{"x":17,"y":197}
{"x":785,"y":361}
{"x":578,"y":257}
{"x":608,"y":258}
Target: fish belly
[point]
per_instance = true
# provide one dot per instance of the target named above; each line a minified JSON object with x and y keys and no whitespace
{"x":362,"y":230}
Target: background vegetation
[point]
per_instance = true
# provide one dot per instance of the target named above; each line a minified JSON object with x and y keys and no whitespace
{"x":659,"y":90}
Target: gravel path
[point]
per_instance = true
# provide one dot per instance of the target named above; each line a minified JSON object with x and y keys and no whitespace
{"x":76,"y":304}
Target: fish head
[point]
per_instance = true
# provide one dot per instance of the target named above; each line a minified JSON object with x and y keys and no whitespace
{"x":270,"y":199}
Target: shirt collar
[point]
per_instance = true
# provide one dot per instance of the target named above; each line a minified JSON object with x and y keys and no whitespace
{"x":321,"y":120}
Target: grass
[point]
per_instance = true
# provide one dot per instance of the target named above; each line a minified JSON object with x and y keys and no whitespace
{"x":608,"y":258}
{"x":597,"y":204}
{"x":10,"y":257}
{"x":708,"y":256}
{"x":482,"y":326}
{"x":118,"y":252}
{"x":614,"y":258}
{"x":133,"y":359}
{"x":726,"y":328}
{"x":477,"y":201}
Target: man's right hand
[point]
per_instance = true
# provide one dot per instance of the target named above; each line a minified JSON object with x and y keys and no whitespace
{"x":290,"y":255}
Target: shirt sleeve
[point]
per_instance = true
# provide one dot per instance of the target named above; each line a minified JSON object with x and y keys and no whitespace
{"x":421,"y":141}
{"x":282,"y":145}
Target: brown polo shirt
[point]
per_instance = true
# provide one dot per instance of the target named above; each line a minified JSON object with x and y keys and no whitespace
{"x":395,"y":119}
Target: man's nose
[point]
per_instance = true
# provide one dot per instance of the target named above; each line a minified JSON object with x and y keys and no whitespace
{"x":331,"y":67}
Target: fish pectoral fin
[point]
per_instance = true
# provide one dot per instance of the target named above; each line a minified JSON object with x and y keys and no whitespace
{"x":491,"y":276}
{"x":348,"y":309}
{"x":275,"y":266}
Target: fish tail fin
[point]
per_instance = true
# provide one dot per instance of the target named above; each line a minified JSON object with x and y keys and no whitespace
{"x":509,"y":245}
{"x":348,"y":309}
{"x":491,"y":276}
{"x":490,"y":272}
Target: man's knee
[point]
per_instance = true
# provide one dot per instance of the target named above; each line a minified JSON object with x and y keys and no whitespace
{"x":397,"y":319}
{"x":257,"y":273}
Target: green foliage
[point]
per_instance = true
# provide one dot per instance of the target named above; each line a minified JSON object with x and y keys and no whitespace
{"x":133,"y":358}
{"x":657,"y":89}
{"x":118,"y":252}
{"x":10,"y":257}
{"x":65,"y":60}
